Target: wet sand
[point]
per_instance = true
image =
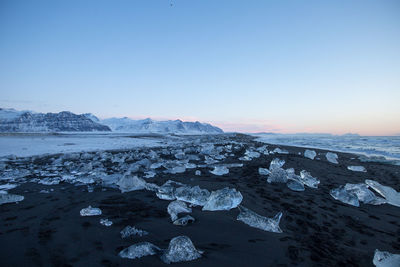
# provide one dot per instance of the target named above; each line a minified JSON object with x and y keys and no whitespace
{"x":47,"y":230}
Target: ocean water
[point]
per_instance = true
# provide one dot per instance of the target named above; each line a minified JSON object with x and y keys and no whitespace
{"x":376,"y":148}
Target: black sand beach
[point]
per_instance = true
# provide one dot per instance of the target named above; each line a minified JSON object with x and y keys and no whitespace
{"x":45,"y":229}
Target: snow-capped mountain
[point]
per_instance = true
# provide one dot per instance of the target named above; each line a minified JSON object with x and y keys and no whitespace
{"x":151,"y":126}
{"x":27,"y":121}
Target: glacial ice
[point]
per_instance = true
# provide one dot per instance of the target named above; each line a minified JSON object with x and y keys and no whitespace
{"x":391,"y":195}
{"x":223,"y":199}
{"x":129,"y":230}
{"x":311,"y":154}
{"x":277,"y":175}
{"x":345,"y":196}
{"x":167,"y":190}
{"x":364,"y":194}
{"x":263,"y":171}
{"x":308,"y":180}
{"x":280,"y":151}
{"x":176,"y":207}
{"x":106,"y":222}
{"x":184,"y":220}
{"x":131,"y":183}
{"x":10,"y":198}
{"x":332,"y":157}
{"x":139,"y":250}
{"x":50,"y":181}
{"x":176,"y":169}
{"x":356,"y":168}
{"x":386,"y":259}
{"x":255,"y":220}
{"x":193,"y":195}
{"x":220,"y":170}
{"x":180,"y":249}
{"x":276,"y":163}
{"x":197,"y":172}
{"x":252,"y":154}
{"x":295,"y":185}
{"x":89,"y":211}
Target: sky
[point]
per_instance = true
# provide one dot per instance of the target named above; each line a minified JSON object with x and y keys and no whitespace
{"x":250,"y":66}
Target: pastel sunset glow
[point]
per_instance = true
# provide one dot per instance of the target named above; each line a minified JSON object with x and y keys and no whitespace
{"x":247,"y":66}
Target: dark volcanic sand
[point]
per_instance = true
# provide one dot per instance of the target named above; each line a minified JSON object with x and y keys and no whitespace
{"x":47,"y":230}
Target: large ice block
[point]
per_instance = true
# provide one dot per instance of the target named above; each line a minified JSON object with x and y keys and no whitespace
{"x":180,"y":249}
{"x":223,"y":199}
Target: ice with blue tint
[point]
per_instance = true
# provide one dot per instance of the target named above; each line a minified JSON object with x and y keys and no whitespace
{"x":176,"y":207}
{"x":364,"y":194}
{"x":276,"y":163}
{"x":263,"y":171}
{"x":223,"y":199}
{"x":106,"y":222}
{"x":255,"y":220}
{"x":89,"y":211}
{"x":308,"y":180}
{"x":10,"y":198}
{"x":392,"y":196}
{"x":180,"y":249}
{"x":183,"y":221}
{"x":129,"y":231}
{"x":193,"y":195}
{"x":139,"y":250}
{"x":220,"y":170}
{"x":345,"y":196}
{"x":386,"y":259}
{"x":311,"y":154}
{"x":356,"y":168}
{"x":131,"y":183}
{"x":332,"y":157}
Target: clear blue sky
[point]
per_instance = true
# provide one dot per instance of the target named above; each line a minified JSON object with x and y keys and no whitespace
{"x":283,"y":66}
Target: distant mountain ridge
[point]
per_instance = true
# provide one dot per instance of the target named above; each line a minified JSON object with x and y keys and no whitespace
{"x":27,"y":121}
{"x":12,"y":120}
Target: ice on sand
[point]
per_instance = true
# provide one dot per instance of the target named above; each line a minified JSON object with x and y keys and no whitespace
{"x":10,"y":198}
{"x":139,"y":250}
{"x":130,"y":183}
{"x":184,"y":220}
{"x":311,"y":154}
{"x":257,"y":221}
{"x":332,"y":157}
{"x":308,"y":180}
{"x":356,"y":168}
{"x":106,"y":222}
{"x":193,"y":195}
{"x":345,"y":196}
{"x":386,"y":259}
{"x":263,"y":171}
{"x":180,"y":249}
{"x":129,"y":230}
{"x":223,"y":199}
{"x":89,"y":211}
{"x":277,"y":175}
{"x":364,"y":194}
{"x":220,"y":170}
{"x":276,"y":163}
{"x":295,"y":185}
{"x":391,"y":195}
{"x":197,"y":172}
{"x":167,"y":190}
{"x":176,"y":207}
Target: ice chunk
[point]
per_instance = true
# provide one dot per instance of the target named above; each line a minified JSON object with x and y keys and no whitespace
{"x":280,"y":151}
{"x":295,"y":185}
{"x":223,"y":199}
{"x":139,"y":250}
{"x":263,"y":171}
{"x":167,"y":190}
{"x":184,"y":220}
{"x":364,"y":194}
{"x":311,"y":154}
{"x":332,"y":157}
{"x":131,"y":183}
{"x":252,"y":154}
{"x":276,"y":163}
{"x":180,"y":249}
{"x":176,"y":207}
{"x":193,"y":195}
{"x":345,"y":196}
{"x":149,"y":174}
{"x":391,"y":195}
{"x":308,"y":180}
{"x":50,"y":181}
{"x":197,"y":172}
{"x":5,"y":187}
{"x":106,"y":222}
{"x":356,"y":168}
{"x":257,"y":221}
{"x":176,"y":169}
{"x":89,"y":211}
{"x":220,"y":170}
{"x":10,"y":198}
{"x":129,"y":230}
{"x":386,"y":259}
{"x":277,"y":175}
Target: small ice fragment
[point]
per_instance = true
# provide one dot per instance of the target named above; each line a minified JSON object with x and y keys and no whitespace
{"x":220,"y":170}
{"x":176,"y":207}
{"x":180,"y":249}
{"x":345,"y":196}
{"x":276,"y":163}
{"x":139,"y":250}
{"x":49,"y":181}
{"x":129,"y":230}
{"x":356,"y":168}
{"x":10,"y":198}
{"x":255,"y":220}
{"x":193,"y":195}
{"x":263,"y":171}
{"x":332,"y":157}
{"x":391,"y":195}
{"x":386,"y":259}
{"x":252,"y":154}
{"x":223,"y":199}
{"x":295,"y":185}
{"x":310,"y":154}
{"x":280,"y":151}
{"x":184,"y":220}
{"x":89,"y":211}
{"x":197,"y":172}
{"x":308,"y":180}
{"x":106,"y":222}
{"x":131,"y":183}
